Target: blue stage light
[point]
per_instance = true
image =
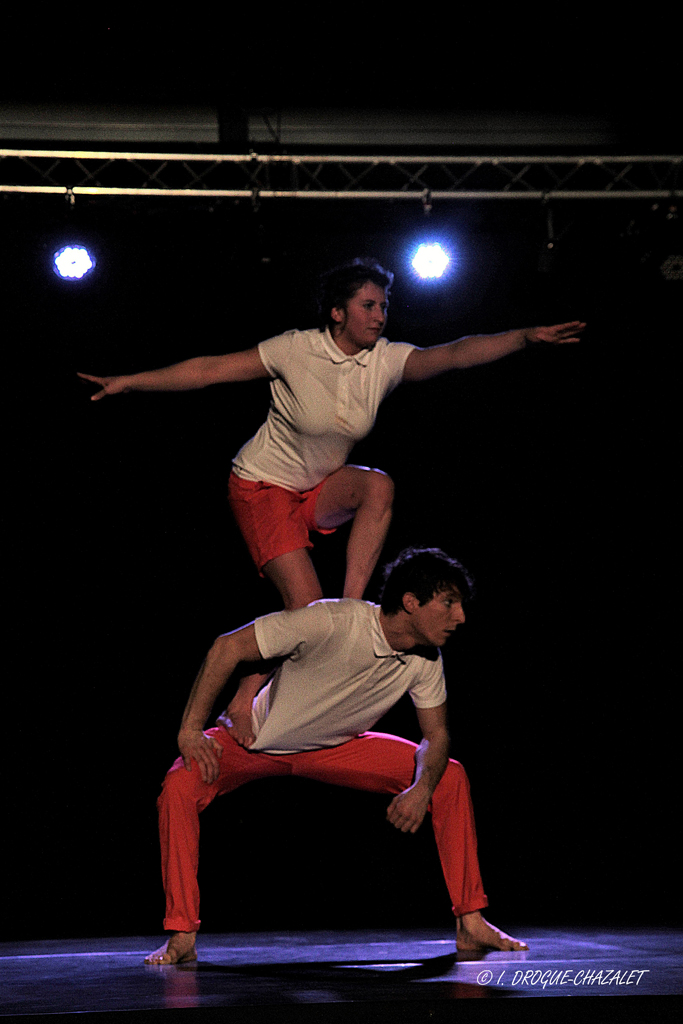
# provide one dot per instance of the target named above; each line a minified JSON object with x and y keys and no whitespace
{"x":430,"y":260}
{"x":72,"y":262}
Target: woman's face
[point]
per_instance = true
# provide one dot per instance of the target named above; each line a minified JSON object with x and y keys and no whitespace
{"x":361,"y":322}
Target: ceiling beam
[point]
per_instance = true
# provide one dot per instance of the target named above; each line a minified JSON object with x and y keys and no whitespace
{"x":280,"y":176}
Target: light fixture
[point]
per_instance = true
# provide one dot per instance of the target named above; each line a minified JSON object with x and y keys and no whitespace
{"x":73,"y":262}
{"x":430,"y":260}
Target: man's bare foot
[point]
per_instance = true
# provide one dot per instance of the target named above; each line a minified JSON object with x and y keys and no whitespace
{"x":473,"y":931}
{"x":238,"y":724}
{"x":178,"y":949}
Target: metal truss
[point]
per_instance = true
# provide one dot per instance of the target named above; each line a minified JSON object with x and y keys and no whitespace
{"x":258,"y":176}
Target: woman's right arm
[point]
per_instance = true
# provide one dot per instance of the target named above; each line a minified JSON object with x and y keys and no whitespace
{"x":186,"y":376}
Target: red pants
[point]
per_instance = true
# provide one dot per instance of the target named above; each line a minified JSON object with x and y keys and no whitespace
{"x":374,"y":761}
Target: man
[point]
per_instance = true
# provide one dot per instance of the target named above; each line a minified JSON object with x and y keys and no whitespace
{"x":346,"y":662}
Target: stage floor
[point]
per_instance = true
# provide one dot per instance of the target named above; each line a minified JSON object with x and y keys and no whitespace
{"x":393,"y":975}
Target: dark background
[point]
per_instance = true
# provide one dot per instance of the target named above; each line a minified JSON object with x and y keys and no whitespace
{"x":549,"y":474}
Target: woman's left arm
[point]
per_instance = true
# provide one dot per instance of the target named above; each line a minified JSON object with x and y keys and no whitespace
{"x":476,"y":349}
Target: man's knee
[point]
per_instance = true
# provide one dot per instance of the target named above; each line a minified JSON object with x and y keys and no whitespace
{"x":454,"y":777}
{"x":179,"y":785}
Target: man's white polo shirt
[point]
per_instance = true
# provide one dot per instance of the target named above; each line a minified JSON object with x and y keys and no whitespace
{"x":339,"y":677}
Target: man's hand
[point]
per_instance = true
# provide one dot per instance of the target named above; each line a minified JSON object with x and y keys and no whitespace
{"x":407,"y":810}
{"x":560,"y":334}
{"x":204,"y":749}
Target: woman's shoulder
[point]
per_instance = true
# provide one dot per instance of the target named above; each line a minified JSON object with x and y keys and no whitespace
{"x":292,"y":340}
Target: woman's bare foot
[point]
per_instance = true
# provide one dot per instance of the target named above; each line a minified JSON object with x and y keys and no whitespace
{"x":473,"y":931}
{"x":178,"y":949}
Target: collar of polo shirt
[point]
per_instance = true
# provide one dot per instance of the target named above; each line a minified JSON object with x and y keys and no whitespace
{"x":336,"y":354}
{"x":380,"y":645}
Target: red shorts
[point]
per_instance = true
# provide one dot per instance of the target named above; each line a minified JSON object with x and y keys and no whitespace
{"x":273,"y":520}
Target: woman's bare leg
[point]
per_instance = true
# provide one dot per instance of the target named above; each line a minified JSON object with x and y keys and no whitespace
{"x":366,"y":496}
{"x":296,"y":579}
{"x":353,"y":492}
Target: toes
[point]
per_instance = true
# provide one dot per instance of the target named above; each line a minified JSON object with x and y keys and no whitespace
{"x":163,"y":957}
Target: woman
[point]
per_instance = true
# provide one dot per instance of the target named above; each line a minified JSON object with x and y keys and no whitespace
{"x":291,"y":478}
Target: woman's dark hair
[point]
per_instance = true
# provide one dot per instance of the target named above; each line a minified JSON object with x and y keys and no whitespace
{"x":340,"y":284}
{"x":423,"y":572}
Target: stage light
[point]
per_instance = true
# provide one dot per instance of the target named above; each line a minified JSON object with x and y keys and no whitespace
{"x":73,"y":262}
{"x":430,"y":260}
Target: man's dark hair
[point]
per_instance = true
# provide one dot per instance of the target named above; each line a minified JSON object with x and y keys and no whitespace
{"x":423,"y":572}
{"x":340,"y":284}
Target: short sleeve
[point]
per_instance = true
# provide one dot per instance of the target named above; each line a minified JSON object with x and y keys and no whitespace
{"x":394,"y":359}
{"x":429,"y":690}
{"x":288,"y":633}
{"x":275,"y":352}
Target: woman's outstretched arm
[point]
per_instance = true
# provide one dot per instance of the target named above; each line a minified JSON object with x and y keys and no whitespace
{"x":476,"y":349}
{"x":186,"y":376}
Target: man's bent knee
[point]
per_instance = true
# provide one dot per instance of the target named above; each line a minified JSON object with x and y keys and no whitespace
{"x":455,"y":775}
{"x":179,"y":784}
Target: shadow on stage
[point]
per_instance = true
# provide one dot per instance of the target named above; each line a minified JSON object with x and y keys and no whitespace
{"x":343,"y":976}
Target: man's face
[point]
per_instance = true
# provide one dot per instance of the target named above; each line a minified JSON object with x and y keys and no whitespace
{"x":362,"y":321}
{"x":434,"y":621}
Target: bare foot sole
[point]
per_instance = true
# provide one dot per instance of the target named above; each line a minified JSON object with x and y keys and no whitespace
{"x":473,"y":932}
{"x":178,"y":949}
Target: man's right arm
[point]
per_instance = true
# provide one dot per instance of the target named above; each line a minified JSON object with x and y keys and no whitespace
{"x":186,"y":376}
{"x":221,"y":661}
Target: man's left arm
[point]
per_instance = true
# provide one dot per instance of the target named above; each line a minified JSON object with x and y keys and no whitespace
{"x":407,"y":810}
{"x":476,"y":349}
